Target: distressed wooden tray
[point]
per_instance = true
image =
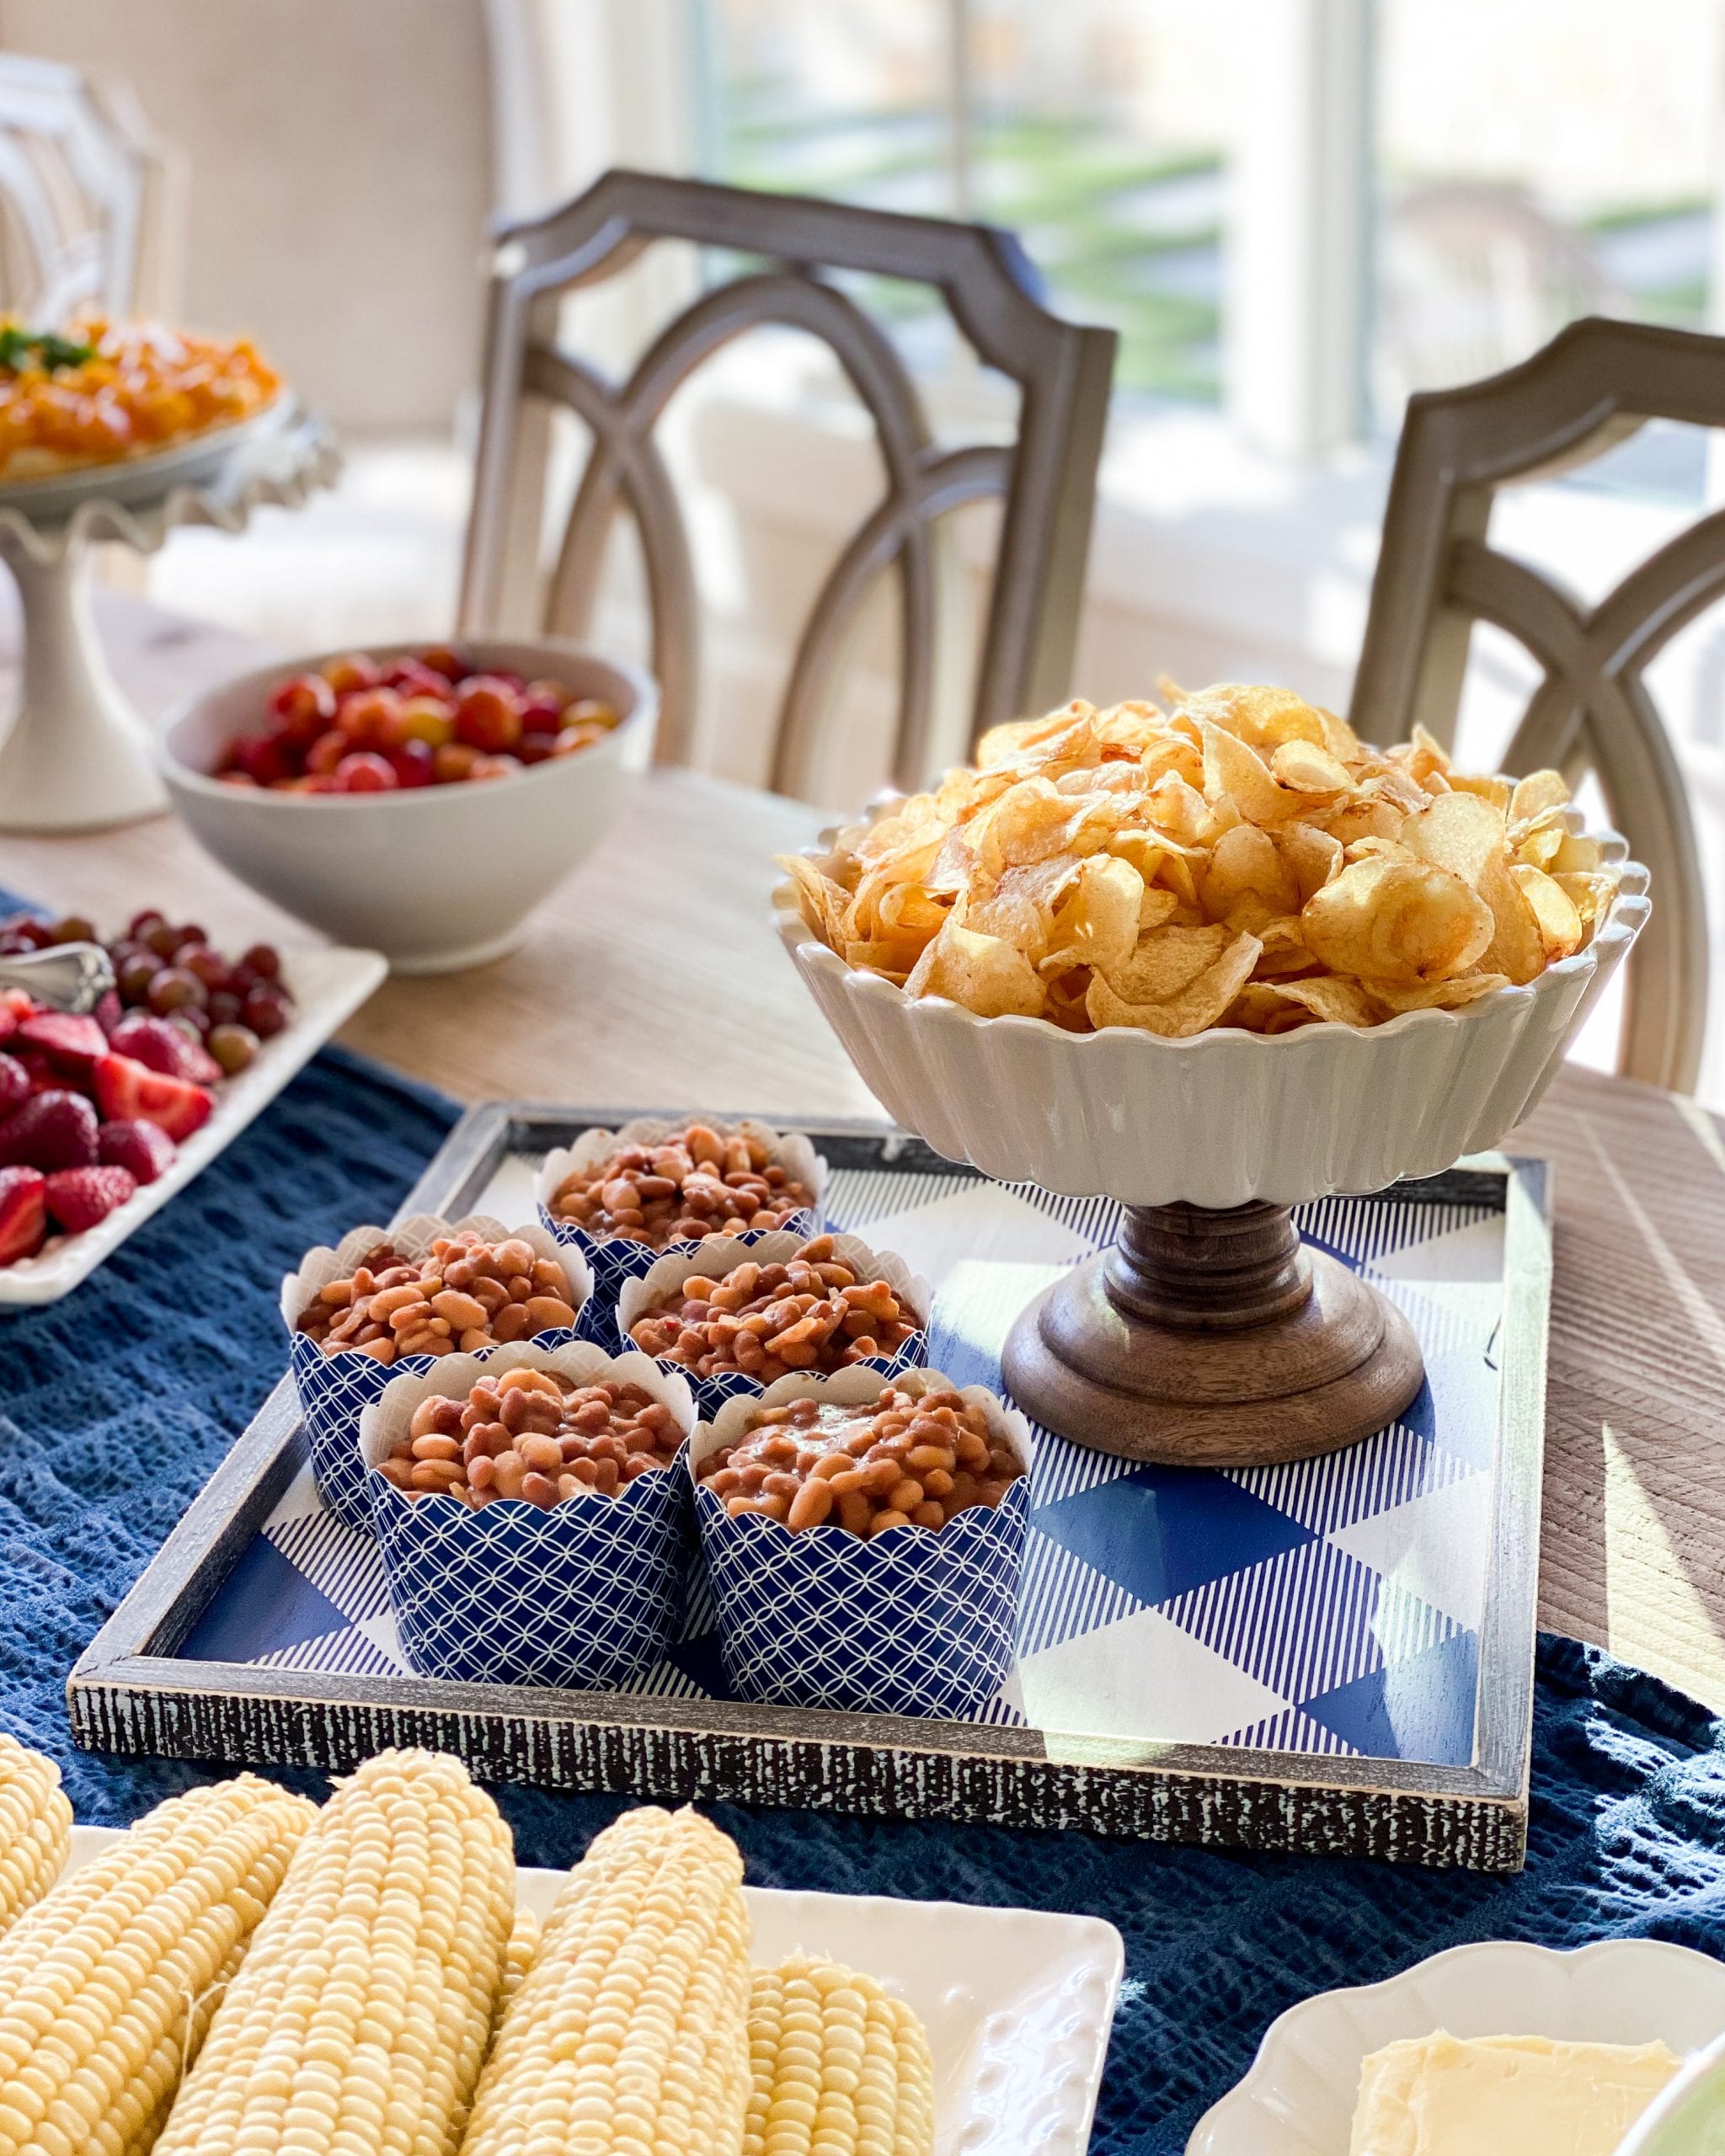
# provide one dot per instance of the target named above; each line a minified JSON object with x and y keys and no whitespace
{"x":1334,"y":1657}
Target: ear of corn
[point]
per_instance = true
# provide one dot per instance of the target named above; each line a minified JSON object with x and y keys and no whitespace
{"x":517,"y":1956}
{"x":358,"y":2021}
{"x":36,"y":1827}
{"x":628,"y":2035}
{"x":105,"y":1985}
{"x":839,"y":2069}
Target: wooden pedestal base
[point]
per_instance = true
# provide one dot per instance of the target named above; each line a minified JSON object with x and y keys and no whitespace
{"x":1212,"y":1339}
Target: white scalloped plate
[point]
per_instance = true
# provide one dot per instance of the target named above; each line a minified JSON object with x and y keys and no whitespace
{"x":1298,"y":2097}
{"x":329,"y":983}
{"x":127,"y":479}
{"x":1018,"y":2004}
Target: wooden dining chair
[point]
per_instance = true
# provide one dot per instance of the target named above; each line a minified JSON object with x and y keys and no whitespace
{"x":1045,"y":477}
{"x":1595,"y":384}
{"x":91,"y":199}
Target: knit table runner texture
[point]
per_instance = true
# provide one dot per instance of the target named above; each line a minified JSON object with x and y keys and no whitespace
{"x":117,"y":1403}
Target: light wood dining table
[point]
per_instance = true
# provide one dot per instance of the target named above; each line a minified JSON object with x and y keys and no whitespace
{"x":654,"y":975}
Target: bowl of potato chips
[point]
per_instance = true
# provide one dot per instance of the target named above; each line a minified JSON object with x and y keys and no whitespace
{"x":1222,"y":952}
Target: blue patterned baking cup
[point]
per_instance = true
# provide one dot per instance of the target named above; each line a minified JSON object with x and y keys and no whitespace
{"x":716,"y":1257}
{"x":614,"y":1259}
{"x":581,"y":1596}
{"x":916,"y":1621}
{"x":334,"y":1391}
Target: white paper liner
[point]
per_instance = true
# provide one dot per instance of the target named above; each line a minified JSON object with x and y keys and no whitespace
{"x":916,"y":1621}
{"x":614,"y":1258}
{"x":581,"y":1595}
{"x":334,"y":1389}
{"x":719,"y":1255}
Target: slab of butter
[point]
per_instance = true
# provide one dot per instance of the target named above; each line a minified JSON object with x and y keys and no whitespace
{"x":1444,"y":2095}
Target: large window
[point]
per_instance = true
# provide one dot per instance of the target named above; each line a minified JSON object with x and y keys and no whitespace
{"x":1504,"y":165}
{"x":1537,"y":160}
{"x":1093,"y":128}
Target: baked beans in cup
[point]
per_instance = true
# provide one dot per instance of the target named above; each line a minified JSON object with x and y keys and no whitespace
{"x":625,"y":1197}
{"x":874,"y":1606}
{"x":735,"y":1317}
{"x":396,"y":1297}
{"x":581,"y":1586}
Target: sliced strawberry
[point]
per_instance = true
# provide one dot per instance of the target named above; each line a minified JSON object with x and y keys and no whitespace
{"x":17,"y":1002}
{"x":143,"y":1148}
{"x":23,"y":1213}
{"x":8,"y":1022}
{"x":131,"y":1091}
{"x":73,"y":1043}
{"x":78,"y":1197}
{"x":53,"y":1129}
{"x":165,"y":1048}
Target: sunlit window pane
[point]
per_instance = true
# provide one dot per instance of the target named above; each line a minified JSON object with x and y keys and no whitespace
{"x":1096,"y":129}
{"x":1538,"y":160}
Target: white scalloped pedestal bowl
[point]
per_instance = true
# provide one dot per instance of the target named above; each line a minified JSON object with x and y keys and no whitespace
{"x":1298,"y":2097}
{"x":1228,"y":1116}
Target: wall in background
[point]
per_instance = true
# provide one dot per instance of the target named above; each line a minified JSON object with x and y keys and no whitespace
{"x":340,"y":178}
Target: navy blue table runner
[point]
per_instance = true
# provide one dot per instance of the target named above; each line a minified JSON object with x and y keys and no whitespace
{"x":117,"y":1403}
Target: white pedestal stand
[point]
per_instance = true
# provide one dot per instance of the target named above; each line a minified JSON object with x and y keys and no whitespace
{"x":77,"y":756}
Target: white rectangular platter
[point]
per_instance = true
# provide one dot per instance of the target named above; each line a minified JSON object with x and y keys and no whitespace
{"x":329,"y":984}
{"x":1017,"y":2003}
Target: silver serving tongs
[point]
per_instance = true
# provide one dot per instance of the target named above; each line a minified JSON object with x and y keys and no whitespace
{"x":65,"y":976}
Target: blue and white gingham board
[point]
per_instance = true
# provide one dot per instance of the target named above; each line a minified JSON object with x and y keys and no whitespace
{"x":1330,"y":1607}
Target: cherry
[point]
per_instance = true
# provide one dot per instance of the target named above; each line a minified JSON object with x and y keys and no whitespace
{"x":365,"y":772}
{"x":489,"y":716}
{"x":353,"y":671}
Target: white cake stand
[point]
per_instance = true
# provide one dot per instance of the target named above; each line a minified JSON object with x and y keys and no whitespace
{"x":77,"y":756}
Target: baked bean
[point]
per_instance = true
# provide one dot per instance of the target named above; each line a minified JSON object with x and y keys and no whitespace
{"x":525,"y":1434}
{"x":853,"y":1467}
{"x":701,"y":1181}
{"x":390,"y":1307}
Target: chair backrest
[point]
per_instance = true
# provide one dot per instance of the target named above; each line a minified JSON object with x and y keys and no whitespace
{"x":1045,"y":478}
{"x":90,"y":196}
{"x":1592,"y":386}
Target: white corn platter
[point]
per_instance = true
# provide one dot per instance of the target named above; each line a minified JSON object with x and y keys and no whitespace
{"x":1017,"y":2003}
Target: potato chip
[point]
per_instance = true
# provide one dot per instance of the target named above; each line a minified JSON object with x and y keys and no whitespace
{"x":1588,"y":891}
{"x":1438,"y":995}
{"x":984,"y":972}
{"x":1398,"y":920}
{"x":1537,"y":792}
{"x":1155,"y":909}
{"x":1497,"y":791}
{"x":1239,"y":858}
{"x":1332,"y":998}
{"x":819,"y":900}
{"x":1459,"y":832}
{"x":1096,"y":923}
{"x":1313,"y":856}
{"x":1199,"y":1005}
{"x":1166,"y":961}
{"x":1234,"y":773}
{"x":1553,"y":908}
{"x":1245,"y":860}
{"x":1579,"y":856}
{"x":1259,"y":1010}
{"x":1308,"y":769}
{"x":1362,"y":817}
{"x":1517,"y":947}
